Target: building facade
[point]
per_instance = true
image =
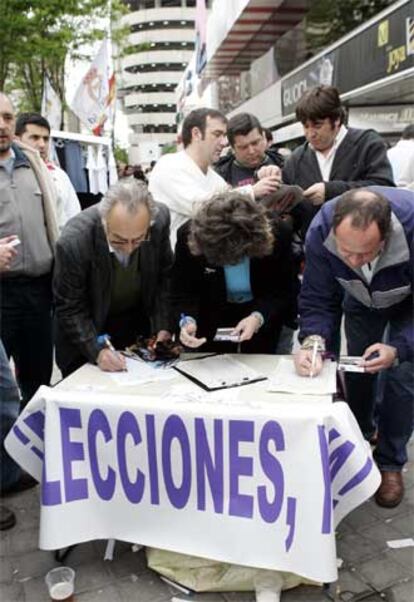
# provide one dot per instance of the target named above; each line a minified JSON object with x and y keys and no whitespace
{"x":265,"y":54}
{"x":159,"y":47}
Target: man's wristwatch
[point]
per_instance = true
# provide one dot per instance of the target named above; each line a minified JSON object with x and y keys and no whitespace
{"x":310,"y":341}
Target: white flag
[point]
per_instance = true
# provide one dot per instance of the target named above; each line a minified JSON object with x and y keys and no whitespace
{"x":51,"y":105}
{"x":96,"y":92}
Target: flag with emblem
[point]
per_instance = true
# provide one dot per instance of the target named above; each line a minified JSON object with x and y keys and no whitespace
{"x":95,"y":96}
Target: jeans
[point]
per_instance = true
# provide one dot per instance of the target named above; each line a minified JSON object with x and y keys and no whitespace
{"x":396,"y":411}
{"x":9,"y":410}
{"x":26,"y":330}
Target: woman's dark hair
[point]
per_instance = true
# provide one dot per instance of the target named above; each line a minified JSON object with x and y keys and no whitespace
{"x":229,"y":227}
{"x":319,"y":103}
{"x":363,"y":207}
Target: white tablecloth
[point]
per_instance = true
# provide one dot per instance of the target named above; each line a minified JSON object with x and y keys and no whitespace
{"x":240,"y":475}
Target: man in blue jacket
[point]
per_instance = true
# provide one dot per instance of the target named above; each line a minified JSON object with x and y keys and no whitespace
{"x":362,"y":243}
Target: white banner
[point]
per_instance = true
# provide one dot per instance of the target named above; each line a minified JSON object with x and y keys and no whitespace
{"x":95,"y":95}
{"x":51,"y":105}
{"x":262,"y":488}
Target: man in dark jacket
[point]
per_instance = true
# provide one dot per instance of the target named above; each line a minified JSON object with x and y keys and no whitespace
{"x":111,"y":277}
{"x":249,"y":151}
{"x":363,"y":243}
{"x":334,"y":158}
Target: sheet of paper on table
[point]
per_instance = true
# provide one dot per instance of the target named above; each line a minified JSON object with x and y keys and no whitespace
{"x":139,"y":372}
{"x":218,"y":372}
{"x":285,"y":379}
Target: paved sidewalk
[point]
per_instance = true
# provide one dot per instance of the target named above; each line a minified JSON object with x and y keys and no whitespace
{"x":371,"y":571}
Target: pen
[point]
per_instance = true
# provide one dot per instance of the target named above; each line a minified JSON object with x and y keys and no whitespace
{"x":105,"y":340}
{"x":313,"y":362}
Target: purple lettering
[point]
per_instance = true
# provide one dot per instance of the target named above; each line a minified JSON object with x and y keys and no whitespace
{"x":327,"y":501}
{"x":270,"y":510}
{"x":290,"y":521}
{"x":51,"y":494}
{"x":358,"y":478}
{"x":128,"y":426}
{"x":36,"y":422}
{"x":174,"y":428}
{"x":152,"y":459}
{"x":206,"y":466}
{"x":339,"y":456}
{"x":20,"y":435}
{"x":75,"y":489}
{"x":240,"y":504}
{"x":98,"y":423}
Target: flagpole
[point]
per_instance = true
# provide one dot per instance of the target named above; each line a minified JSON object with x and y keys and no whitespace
{"x":113,"y":71}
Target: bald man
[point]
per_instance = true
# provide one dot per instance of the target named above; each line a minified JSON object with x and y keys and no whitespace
{"x":28,"y":215}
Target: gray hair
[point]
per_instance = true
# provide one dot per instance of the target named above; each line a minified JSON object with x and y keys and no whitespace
{"x":130,"y":193}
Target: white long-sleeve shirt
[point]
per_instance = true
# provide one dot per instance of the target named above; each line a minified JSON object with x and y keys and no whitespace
{"x":66,"y":198}
{"x":401,"y":157}
{"x":178,"y":182}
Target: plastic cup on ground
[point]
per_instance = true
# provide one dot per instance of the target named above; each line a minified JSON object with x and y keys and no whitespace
{"x":61,"y":584}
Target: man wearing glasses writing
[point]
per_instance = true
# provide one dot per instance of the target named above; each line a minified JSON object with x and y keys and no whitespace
{"x":111,"y":277}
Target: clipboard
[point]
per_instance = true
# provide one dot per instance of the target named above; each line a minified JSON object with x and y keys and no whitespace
{"x":218,"y":371}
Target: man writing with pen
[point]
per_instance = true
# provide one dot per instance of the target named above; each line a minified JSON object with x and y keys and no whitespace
{"x":360,"y":257}
{"x":111,"y":278}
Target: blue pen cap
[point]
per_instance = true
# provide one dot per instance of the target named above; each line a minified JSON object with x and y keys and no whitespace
{"x":102,"y":339}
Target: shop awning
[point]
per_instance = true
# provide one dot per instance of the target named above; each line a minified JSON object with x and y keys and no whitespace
{"x":256,"y":29}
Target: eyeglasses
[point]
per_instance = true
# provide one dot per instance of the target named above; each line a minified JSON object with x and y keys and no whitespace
{"x":133,"y":242}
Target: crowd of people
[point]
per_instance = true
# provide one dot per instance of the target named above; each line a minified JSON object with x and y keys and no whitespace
{"x":249,"y":238}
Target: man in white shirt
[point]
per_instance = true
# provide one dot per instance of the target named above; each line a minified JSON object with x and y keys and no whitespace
{"x":401,"y":157}
{"x":184,"y":179}
{"x":34,"y":130}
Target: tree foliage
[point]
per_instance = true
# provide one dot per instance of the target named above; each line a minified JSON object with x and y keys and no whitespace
{"x":328,"y":20}
{"x":38,"y":35}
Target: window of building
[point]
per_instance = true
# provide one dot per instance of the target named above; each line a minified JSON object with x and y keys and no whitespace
{"x":168,"y":3}
{"x":162,"y":25}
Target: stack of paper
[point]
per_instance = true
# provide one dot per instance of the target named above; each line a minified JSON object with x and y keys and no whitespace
{"x":139,"y":372}
{"x":286,"y":380}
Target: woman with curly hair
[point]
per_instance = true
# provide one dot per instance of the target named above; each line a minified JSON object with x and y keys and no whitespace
{"x":233,"y":268}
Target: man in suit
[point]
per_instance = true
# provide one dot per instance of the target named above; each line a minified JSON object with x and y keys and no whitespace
{"x":111,"y":277}
{"x":334,"y":158}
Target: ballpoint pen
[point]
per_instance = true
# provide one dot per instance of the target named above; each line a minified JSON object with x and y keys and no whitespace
{"x":313,"y":362}
{"x":105,"y":339}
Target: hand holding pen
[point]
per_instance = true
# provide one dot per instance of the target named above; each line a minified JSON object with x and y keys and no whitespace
{"x":308,"y":362}
{"x":110,"y":360}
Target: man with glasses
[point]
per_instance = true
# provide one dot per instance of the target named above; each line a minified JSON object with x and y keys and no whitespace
{"x":111,"y":278}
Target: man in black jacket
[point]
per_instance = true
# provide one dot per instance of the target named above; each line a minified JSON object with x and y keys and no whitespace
{"x":334,"y":158}
{"x":111,"y":277}
{"x":249,"y":151}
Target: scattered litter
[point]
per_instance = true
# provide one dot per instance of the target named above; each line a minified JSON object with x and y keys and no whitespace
{"x":388,"y":520}
{"x":401,"y":543}
{"x":15,"y":571}
{"x":180,"y":588}
{"x":134,"y":577}
{"x":24,"y":579}
{"x":136,"y":547}
{"x":339,"y":563}
{"x":109,"y":551}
